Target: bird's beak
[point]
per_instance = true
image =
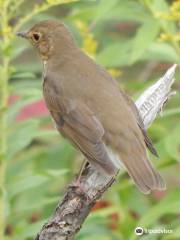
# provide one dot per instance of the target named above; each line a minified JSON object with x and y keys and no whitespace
{"x":22,"y":34}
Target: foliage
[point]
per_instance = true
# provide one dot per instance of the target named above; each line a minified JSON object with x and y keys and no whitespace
{"x":34,"y":161}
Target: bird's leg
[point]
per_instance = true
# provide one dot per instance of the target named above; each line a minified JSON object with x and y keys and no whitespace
{"x":81,"y":170}
{"x":77,"y":182}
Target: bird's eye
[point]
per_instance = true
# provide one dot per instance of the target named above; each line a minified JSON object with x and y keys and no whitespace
{"x":36,"y":37}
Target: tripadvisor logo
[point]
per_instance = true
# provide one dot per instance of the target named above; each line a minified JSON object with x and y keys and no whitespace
{"x":138,"y":231}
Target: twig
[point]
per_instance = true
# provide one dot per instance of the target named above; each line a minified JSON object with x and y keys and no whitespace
{"x":73,"y":209}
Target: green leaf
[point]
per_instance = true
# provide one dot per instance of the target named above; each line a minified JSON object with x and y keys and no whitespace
{"x":24,"y":75}
{"x":16,"y":51}
{"x":146,"y":34}
{"x":35,"y":205}
{"x":30,"y":230}
{"x":25,"y":183}
{"x":170,"y":204}
{"x":21,"y":136}
{"x":56,"y":173}
{"x":103,"y":8}
{"x":129,"y":11}
{"x":115,"y":54}
{"x":172,"y":143}
{"x":162,"y":52}
{"x":27,"y":87}
{"x":159,"y":6}
{"x":173,"y":236}
{"x":83,"y":13}
{"x":46,"y":134}
{"x":170,"y":112}
{"x":122,"y":11}
{"x":27,"y":92}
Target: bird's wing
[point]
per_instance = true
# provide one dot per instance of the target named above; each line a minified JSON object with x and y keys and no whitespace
{"x":147,"y":140}
{"x":80,"y":126}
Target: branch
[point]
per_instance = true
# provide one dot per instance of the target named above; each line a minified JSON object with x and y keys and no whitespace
{"x":73,"y":209}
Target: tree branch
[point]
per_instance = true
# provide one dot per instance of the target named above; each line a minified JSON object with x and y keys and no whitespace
{"x":73,"y":209}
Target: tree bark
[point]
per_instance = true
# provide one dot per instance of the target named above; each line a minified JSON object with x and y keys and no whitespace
{"x":73,"y":209}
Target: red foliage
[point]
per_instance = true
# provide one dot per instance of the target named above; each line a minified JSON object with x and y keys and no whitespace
{"x":35,"y":109}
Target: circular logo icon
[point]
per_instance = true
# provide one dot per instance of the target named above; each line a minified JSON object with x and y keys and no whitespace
{"x":138,"y":231}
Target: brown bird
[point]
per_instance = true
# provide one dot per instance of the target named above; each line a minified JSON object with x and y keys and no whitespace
{"x":90,"y":110}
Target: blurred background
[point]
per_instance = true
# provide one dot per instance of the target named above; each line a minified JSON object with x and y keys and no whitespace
{"x":137,"y":41}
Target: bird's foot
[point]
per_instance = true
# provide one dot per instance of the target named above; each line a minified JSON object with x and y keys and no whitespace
{"x":81,"y":189}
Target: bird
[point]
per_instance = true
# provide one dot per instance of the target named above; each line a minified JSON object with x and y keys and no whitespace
{"x":89,"y":108}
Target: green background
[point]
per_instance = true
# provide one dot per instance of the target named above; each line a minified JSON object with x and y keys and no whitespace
{"x":135,"y":40}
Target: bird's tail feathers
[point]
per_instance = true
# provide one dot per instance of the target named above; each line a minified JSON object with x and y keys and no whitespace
{"x":145,"y":176}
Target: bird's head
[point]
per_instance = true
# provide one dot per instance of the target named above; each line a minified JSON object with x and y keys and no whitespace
{"x":49,"y":38}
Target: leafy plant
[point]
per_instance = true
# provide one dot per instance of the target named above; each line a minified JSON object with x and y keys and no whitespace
{"x":34,"y":160}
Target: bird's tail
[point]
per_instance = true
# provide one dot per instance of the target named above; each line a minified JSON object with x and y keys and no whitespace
{"x":144,"y":175}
